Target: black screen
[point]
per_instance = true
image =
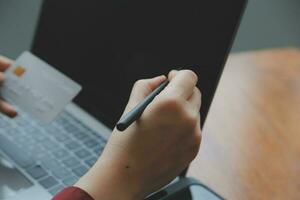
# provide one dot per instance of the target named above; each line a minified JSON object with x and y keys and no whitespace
{"x":106,"y":45}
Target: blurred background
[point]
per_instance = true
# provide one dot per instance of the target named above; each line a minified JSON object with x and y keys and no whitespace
{"x":266,"y":24}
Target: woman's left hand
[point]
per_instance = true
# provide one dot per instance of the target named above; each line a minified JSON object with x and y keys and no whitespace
{"x":5,"y":107}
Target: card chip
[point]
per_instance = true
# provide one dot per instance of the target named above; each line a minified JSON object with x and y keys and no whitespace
{"x":19,"y":71}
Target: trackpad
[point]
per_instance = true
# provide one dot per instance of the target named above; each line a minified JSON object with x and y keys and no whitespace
{"x":11,"y":180}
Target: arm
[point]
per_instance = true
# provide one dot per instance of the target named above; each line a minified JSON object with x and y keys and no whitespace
{"x":153,"y":150}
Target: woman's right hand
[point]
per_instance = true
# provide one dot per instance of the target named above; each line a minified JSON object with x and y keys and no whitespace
{"x":154,"y":149}
{"x":5,"y":107}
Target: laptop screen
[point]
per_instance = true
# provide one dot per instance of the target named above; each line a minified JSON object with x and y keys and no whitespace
{"x":106,"y":45}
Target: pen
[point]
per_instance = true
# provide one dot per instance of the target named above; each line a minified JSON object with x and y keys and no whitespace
{"x":137,"y":111}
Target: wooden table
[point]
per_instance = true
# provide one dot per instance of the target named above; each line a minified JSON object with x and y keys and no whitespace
{"x":251,"y":140}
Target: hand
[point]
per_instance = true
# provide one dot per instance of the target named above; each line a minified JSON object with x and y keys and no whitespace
{"x":156,"y":148}
{"x":5,"y":107}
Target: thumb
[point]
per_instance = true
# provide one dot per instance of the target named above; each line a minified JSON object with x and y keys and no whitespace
{"x":141,"y":89}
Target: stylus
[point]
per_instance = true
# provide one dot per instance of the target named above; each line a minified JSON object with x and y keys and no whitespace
{"x":137,"y":111}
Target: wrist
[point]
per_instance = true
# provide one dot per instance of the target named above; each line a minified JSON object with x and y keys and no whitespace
{"x":109,"y":181}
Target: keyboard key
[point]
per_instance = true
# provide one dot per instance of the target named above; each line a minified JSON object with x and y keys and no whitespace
{"x":51,"y":163}
{"x":21,"y":122}
{"x":62,"y":173}
{"x":56,"y":189}
{"x":62,"y":137}
{"x":99,"y":138}
{"x":71,"y":162}
{"x":91,"y":143}
{"x":49,"y":145}
{"x":91,"y":161}
{"x":21,"y":140}
{"x":37,"y":172}
{"x":31,"y":130}
{"x":12,"y":132}
{"x":15,"y":153}
{"x":48,"y":182}
{"x":72,"y":145}
{"x":4,"y":122}
{"x":80,"y":171}
{"x":60,"y":153}
{"x":98,"y":150}
{"x":70,"y":181}
{"x":70,"y":128}
{"x":61,"y":120}
{"x":52,"y":130}
{"x":36,"y":149}
{"x":40,"y":138}
{"x":41,"y":155}
{"x":80,"y":135}
{"x":82,"y":153}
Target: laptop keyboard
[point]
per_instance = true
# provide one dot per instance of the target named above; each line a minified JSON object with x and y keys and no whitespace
{"x":55,"y":155}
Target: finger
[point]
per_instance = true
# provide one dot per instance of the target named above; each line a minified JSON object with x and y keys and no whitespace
{"x":4,"y":63}
{"x":2,"y":78}
{"x":142,"y":88}
{"x":7,"y":109}
{"x":172,"y":74}
{"x":181,"y":85}
{"x":195,"y":100}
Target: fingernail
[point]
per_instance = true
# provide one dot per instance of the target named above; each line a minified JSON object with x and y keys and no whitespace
{"x":13,"y":114}
{"x":160,"y":77}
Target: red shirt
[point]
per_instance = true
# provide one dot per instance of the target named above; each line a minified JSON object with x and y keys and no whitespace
{"x":72,"y":193}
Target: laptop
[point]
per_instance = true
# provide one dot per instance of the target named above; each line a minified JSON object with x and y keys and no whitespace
{"x":106,"y":46}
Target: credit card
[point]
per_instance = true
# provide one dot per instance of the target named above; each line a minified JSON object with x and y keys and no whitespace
{"x":37,"y":88}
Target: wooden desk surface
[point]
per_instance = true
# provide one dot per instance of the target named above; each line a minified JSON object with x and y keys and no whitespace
{"x":251,"y":141}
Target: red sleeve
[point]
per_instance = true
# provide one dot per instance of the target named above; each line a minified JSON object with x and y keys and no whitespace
{"x":72,"y":193}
